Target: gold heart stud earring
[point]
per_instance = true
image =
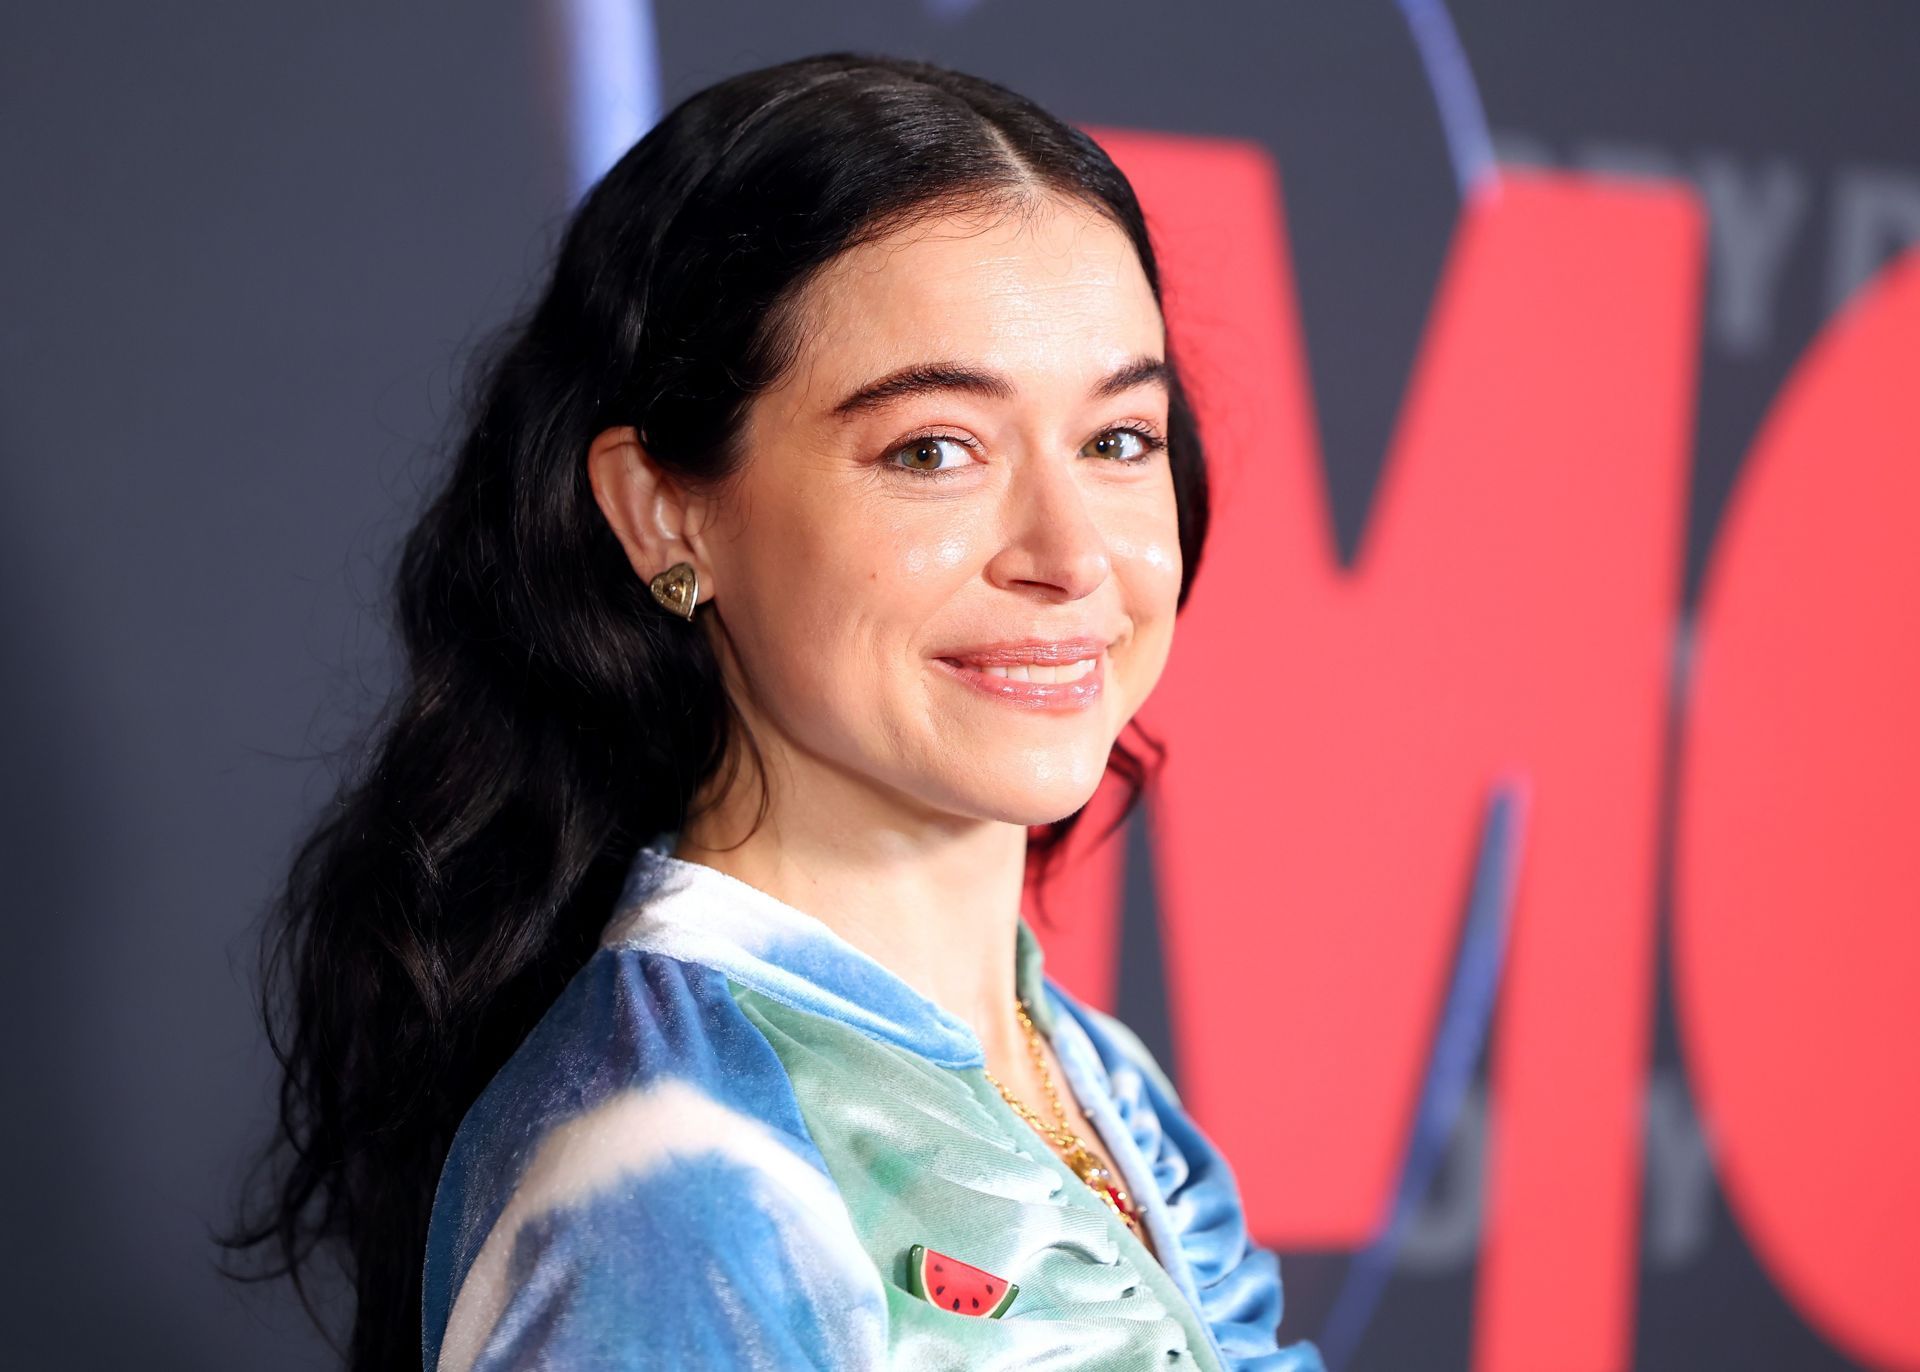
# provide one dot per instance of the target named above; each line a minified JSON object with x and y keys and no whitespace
{"x":677,"y":589}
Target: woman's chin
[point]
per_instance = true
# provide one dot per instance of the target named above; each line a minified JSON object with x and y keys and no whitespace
{"x":1038,"y":799}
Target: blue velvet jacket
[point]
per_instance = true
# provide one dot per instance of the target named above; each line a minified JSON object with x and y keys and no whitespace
{"x":720,"y":1146}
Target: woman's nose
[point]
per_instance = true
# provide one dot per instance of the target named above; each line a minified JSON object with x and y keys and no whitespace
{"x":1053,"y":539}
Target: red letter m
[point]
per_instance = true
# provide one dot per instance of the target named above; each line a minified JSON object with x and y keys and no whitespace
{"x":1334,"y":732}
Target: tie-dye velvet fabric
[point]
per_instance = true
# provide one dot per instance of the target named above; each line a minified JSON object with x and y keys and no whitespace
{"x":720,"y":1142}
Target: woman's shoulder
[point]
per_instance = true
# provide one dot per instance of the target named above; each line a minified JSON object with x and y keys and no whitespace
{"x":628,"y":1028}
{"x":641,"y":1142}
{"x":1115,"y":1043}
{"x":1235,"y":1280}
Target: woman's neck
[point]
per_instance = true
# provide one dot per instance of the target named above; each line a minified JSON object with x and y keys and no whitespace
{"x":938,"y":906}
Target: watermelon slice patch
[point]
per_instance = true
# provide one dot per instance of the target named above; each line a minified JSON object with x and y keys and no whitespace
{"x":958,"y":1287}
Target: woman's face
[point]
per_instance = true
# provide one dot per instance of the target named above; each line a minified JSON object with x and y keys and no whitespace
{"x":965,"y":464}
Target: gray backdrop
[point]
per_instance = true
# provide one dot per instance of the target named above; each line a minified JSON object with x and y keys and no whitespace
{"x":246,"y":249}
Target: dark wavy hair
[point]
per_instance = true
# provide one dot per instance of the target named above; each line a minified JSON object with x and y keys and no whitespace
{"x":551,"y":717}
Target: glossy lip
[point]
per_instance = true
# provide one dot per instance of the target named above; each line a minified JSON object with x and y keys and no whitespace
{"x":1032,"y":695}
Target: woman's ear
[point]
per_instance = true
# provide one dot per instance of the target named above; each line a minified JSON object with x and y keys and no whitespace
{"x":650,"y":513}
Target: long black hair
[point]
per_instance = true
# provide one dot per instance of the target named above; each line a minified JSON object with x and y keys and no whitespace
{"x":550,"y":717}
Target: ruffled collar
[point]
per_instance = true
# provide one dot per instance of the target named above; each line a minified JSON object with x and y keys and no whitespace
{"x":699,"y":914}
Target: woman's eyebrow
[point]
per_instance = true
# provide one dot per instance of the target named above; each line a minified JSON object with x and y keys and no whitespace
{"x":925,"y":377}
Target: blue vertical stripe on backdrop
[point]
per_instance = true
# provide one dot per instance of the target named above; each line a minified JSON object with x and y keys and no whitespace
{"x":611,"y":65}
{"x":1463,"y":118}
{"x":1456,"y":1047}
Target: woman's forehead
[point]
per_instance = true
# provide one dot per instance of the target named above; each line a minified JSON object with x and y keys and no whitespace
{"x":1050,"y":288}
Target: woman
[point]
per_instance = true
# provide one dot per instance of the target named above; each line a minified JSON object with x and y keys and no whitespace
{"x":814,"y":539}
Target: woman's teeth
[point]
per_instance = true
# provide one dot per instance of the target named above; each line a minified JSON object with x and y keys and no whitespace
{"x":1034,"y":671}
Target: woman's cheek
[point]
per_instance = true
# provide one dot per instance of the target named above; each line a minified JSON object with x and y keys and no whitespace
{"x":1150,"y":563}
{"x":928,"y":556}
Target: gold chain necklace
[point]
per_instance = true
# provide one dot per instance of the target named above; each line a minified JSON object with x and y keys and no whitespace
{"x":1085,"y":1163}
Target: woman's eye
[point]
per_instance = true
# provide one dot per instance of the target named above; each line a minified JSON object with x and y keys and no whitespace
{"x":924,"y":454}
{"x":1122,"y":445}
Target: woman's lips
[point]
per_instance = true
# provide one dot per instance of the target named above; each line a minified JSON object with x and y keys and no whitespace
{"x":1076,"y":694}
